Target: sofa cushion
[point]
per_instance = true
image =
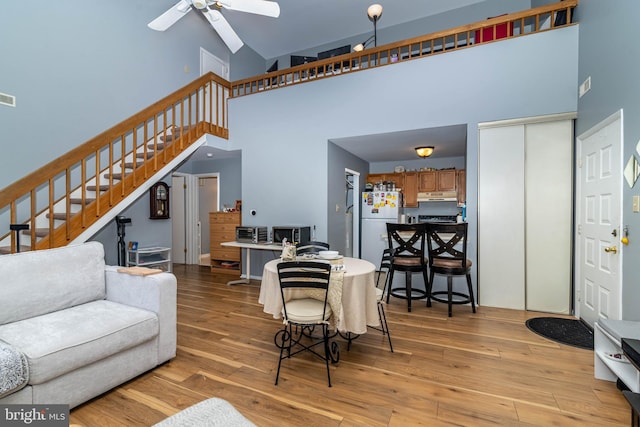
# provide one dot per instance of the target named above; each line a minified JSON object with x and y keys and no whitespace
{"x":40,"y":282}
{"x":59,"y":342}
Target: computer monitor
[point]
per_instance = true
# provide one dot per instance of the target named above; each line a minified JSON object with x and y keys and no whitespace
{"x":299,"y":60}
{"x":342,"y":50}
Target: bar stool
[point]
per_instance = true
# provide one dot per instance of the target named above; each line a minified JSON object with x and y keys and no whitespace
{"x":445,"y":257}
{"x":406,"y":242}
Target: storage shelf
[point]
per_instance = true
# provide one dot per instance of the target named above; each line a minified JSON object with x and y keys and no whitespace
{"x":152,"y":257}
{"x":608,"y":369}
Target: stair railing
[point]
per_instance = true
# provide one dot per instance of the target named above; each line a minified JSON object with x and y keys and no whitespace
{"x":64,"y":197}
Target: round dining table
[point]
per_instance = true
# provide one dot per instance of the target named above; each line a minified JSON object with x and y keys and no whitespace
{"x":358,"y":296}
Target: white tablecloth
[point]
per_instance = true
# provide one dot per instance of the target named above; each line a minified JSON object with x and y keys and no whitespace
{"x":359,"y":306}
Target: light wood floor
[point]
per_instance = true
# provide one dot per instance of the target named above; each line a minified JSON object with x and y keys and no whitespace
{"x":482,"y":369}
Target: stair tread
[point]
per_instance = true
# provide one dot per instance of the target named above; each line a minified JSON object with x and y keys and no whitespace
{"x":141,"y":155}
{"x":78,"y":200}
{"x":117,"y":175}
{"x":6,"y":250}
{"x":40,"y":232}
{"x":59,"y":215}
{"x":103,"y":187}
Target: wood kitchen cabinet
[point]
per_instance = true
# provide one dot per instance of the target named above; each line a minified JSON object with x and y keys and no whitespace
{"x":446,"y":180}
{"x":443,"y":180}
{"x":222,"y":228}
{"x":410,"y":190}
{"x":462,"y":186}
{"x":427,"y":181}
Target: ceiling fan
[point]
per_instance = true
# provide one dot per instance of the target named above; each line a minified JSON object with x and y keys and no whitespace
{"x":211,"y":10}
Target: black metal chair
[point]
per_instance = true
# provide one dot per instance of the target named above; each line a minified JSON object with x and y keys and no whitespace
{"x":311,"y":247}
{"x":444,"y":242}
{"x":406,"y":242}
{"x":382,"y":280}
{"x":305,"y":313}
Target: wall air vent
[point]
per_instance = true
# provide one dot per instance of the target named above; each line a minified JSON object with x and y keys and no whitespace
{"x":7,"y":100}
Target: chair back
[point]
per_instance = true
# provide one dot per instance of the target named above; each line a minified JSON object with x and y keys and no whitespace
{"x":407,"y":244}
{"x":447,"y":246}
{"x":383,"y":271}
{"x":312,"y":275}
{"x":312,"y":247}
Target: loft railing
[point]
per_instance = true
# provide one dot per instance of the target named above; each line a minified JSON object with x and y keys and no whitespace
{"x":518,"y":24}
{"x":67,"y":195}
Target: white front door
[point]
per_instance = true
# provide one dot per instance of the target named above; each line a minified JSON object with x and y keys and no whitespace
{"x":598,"y":220}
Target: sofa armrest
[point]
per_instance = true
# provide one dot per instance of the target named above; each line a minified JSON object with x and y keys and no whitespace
{"x":156,"y":293}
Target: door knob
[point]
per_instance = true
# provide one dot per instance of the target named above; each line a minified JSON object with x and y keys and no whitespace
{"x":611,"y":249}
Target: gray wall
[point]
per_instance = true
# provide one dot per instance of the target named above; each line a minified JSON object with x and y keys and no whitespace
{"x":338,"y":161}
{"x":286,"y":146}
{"x":610,"y":56}
{"x":77,"y":69}
{"x":145,"y":231}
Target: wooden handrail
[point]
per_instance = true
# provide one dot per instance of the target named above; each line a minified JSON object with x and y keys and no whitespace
{"x":164,"y":129}
{"x":464,"y":36}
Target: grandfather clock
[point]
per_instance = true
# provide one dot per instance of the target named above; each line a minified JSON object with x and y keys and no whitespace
{"x":159,"y":201}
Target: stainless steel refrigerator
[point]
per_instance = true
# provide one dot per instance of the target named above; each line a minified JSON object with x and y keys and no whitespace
{"x":377,"y":209}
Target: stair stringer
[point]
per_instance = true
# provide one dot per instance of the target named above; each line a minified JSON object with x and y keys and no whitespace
{"x":100,"y":223}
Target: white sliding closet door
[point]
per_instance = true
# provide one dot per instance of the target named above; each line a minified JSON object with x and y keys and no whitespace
{"x":501,"y":217}
{"x":525,"y":202}
{"x":548,"y":201}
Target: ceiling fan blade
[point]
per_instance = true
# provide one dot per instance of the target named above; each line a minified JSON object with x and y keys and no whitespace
{"x":220,"y":24}
{"x":259,"y":7}
{"x":171,"y":16}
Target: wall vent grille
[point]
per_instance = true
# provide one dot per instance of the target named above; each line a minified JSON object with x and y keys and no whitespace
{"x":7,"y":100}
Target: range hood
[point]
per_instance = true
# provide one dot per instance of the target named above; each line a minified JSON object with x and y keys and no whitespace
{"x":438,"y":196}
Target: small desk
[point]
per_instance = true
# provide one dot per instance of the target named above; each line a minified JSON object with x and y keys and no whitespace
{"x":248,"y":247}
{"x":359,"y":304}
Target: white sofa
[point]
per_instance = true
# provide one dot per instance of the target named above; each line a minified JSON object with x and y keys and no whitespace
{"x":82,"y":327}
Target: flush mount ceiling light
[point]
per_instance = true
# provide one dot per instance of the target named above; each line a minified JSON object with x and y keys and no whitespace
{"x":424,"y":151}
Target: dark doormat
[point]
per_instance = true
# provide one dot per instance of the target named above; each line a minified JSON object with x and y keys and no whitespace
{"x":565,"y":331}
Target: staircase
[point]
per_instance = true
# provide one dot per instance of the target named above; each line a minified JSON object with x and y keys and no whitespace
{"x":74,"y":196}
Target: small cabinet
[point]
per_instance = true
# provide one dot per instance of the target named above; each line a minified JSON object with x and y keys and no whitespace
{"x":154,"y":257}
{"x":443,"y":180}
{"x":446,"y":180}
{"x":427,"y":181}
{"x":222,"y":228}
{"x":410,"y":190}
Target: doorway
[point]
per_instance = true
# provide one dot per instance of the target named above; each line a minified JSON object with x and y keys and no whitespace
{"x":352,"y":213}
{"x":194,"y":196}
{"x":598,"y":221}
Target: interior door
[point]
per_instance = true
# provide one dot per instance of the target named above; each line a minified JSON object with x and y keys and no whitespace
{"x":598,"y":221}
{"x":178,"y":227}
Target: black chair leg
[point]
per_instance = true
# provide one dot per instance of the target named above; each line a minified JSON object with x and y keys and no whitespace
{"x":450,"y":294}
{"x":473,"y":302}
{"x":384,"y":324}
{"x":327,"y":352}
{"x":390,"y":281}
{"x":407,"y":281}
{"x":430,"y":288}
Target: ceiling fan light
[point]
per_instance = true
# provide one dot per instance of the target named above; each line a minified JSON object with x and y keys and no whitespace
{"x":374,"y":11}
{"x":424,"y":151}
{"x":199,"y":4}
